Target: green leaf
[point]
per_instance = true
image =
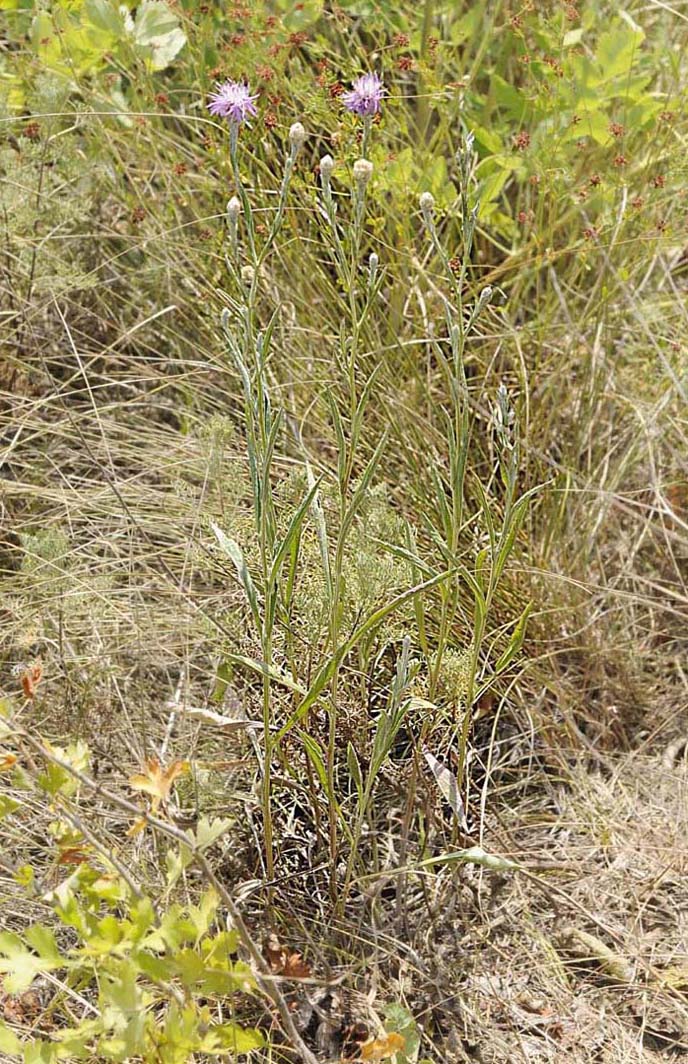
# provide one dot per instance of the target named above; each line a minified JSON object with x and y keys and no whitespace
{"x":234,"y":552}
{"x":9,"y":1043}
{"x":298,"y":16}
{"x":20,"y":965}
{"x":618,"y":49}
{"x":516,"y":641}
{"x":104,"y":22}
{"x":399,"y":1019}
{"x":230,"y":1038}
{"x":158,"y":34}
{"x":7,"y":805}
{"x":209,"y":831}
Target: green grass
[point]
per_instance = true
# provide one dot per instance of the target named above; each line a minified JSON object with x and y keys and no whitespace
{"x":399,"y":486}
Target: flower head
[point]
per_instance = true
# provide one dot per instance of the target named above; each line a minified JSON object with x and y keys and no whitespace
{"x":365,"y":96}
{"x":232,"y":100}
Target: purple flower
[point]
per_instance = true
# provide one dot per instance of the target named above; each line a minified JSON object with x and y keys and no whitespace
{"x":232,"y":100}
{"x":365,"y":96}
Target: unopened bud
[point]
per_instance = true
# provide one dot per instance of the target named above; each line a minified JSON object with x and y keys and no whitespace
{"x":363,"y":171}
{"x":427,"y":202}
{"x":373,"y":263}
{"x":326,"y":168}
{"x":233,"y":210}
{"x":297,"y":136}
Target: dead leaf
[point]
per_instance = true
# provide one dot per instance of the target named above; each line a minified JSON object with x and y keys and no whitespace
{"x":21,"y":1008}
{"x":31,"y":677}
{"x":137,"y":827}
{"x":157,"y":781}
{"x":220,"y":720}
{"x":73,"y":855}
{"x":290,"y":965}
{"x":588,"y":947}
{"x":447,"y":783}
{"x":381,"y":1048}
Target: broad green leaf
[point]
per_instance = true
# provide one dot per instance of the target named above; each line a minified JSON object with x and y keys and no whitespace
{"x":209,"y":831}
{"x":399,"y":1019}
{"x":158,"y":34}
{"x":230,"y":1038}
{"x":297,"y":16}
{"x":20,"y":965}
{"x":9,"y":1043}
{"x":7,"y":805}
{"x":617,"y":49}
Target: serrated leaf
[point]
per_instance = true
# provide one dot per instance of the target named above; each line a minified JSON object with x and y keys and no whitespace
{"x":157,"y":781}
{"x":209,"y":831}
{"x":230,"y":1038}
{"x":617,"y":50}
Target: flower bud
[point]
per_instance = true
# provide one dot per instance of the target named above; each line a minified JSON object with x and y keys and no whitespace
{"x":363,"y":171}
{"x":427,"y":202}
{"x":373,"y":263}
{"x":233,"y":210}
{"x":326,"y":168}
{"x":297,"y":136}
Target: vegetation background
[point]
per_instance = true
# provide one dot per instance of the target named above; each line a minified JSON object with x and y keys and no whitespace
{"x":343,"y":543}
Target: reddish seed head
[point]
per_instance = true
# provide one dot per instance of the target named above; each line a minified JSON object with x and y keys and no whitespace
{"x":179,"y":169}
{"x":161,"y":98}
{"x":137,"y":215}
{"x":32,"y":131}
{"x":637,"y":203}
{"x":270,"y":120}
{"x":595,"y":180}
{"x":405,"y":62}
{"x":620,"y":160}
{"x":336,"y":89}
{"x":402,"y":40}
{"x":616,"y":129}
{"x":590,"y":233}
{"x":265,"y":73}
{"x":659,"y":181}
{"x":297,"y":39}
{"x":522,"y":140}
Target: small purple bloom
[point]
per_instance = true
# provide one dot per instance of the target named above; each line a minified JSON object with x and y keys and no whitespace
{"x":232,"y":100}
{"x":366,"y":95}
